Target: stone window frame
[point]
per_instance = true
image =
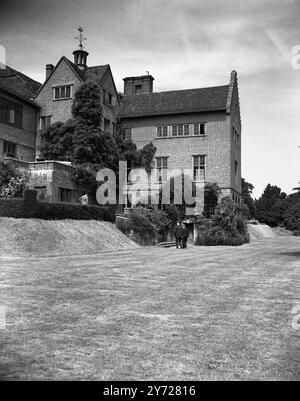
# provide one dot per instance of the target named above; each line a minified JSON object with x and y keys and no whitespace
{"x":199,"y":164}
{"x":61,"y":91}
{"x":10,"y":149}
{"x":11,"y":113}
{"x":181,"y":130}
{"x":161,"y":164}
{"x":45,"y":122}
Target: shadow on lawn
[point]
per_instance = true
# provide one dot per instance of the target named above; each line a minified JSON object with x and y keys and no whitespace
{"x":294,"y":254}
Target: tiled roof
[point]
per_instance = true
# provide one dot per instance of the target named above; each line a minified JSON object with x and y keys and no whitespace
{"x":173,"y":102}
{"x":18,"y":84}
{"x":97,"y":70}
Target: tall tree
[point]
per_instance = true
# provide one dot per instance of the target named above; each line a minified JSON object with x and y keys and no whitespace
{"x":247,"y":190}
{"x":271,"y":206}
{"x":83,"y":142}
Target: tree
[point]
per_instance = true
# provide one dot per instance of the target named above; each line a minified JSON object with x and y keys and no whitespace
{"x":83,"y":142}
{"x":247,"y":190}
{"x":271,"y":206}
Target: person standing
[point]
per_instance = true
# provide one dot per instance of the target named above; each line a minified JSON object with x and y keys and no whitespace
{"x":178,"y":235}
{"x":84,"y":199}
{"x":185,"y":236}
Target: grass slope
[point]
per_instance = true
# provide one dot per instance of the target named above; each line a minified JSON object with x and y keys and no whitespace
{"x":201,"y":313}
{"x":24,"y":237}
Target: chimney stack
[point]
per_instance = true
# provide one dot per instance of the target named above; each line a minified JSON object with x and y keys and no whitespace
{"x":138,"y":85}
{"x":49,"y":69}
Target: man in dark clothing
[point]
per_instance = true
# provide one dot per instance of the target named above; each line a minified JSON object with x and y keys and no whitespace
{"x":178,"y":235}
{"x":185,"y":236}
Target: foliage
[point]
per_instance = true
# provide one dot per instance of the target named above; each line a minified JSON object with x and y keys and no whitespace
{"x":54,"y":211}
{"x":145,"y":224}
{"x":228,"y":226}
{"x":57,"y":141}
{"x":12,"y":181}
{"x":247,"y":190}
{"x":271,"y":206}
{"x":83,"y":142}
{"x":292,"y":212}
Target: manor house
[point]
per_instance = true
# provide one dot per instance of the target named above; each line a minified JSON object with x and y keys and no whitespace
{"x":197,"y":129}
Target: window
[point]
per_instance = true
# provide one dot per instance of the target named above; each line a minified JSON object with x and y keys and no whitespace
{"x":128,"y":134}
{"x":11,"y":113}
{"x":199,"y":129}
{"x":138,"y":89}
{"x":186,"y":129}
{"x":235,"y":167}
{"x":45,"y":122}
{"x":64,"y":195}
{"x":162,"y":166}
{"x":174,"y":130}
{"x":199,"y":163}
{"x":62,"y":92}
{"x":9,"y":149}
{"x":162,"y":131}
{"x":180,"y":129}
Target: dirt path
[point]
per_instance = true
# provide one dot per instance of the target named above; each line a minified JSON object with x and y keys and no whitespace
{"x":201,"y":313}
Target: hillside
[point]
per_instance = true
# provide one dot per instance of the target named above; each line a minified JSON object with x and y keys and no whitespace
{"x":34,"y":237}
{"x":260,"y":231}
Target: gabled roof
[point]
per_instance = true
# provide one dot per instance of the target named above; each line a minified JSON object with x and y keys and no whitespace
{"x":83,"y":75}
{"x":18,"y":84}
{"x":174,"y":102}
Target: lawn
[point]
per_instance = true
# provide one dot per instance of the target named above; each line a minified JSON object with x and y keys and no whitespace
{"x":148,"y":314}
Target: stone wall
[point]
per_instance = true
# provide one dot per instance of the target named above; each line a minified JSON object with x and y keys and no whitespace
{"x":24,"y":137}
{"x":216,"y":144}
{"x":48,"y":177}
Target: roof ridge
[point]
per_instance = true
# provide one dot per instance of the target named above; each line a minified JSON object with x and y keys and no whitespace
{"x":181,"y":90}
{"x":20,"y":75}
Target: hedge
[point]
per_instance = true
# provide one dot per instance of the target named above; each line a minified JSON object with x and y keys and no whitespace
{"x":19,"y":208}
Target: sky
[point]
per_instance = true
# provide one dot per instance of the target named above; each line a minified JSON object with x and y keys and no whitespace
{"x":183,"y":44}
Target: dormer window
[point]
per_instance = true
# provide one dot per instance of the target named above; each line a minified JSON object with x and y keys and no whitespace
{"x":62,"y":92}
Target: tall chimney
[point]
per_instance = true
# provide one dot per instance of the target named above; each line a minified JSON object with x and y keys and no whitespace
{"x":49,"y":69}
{"x":138,"y":85}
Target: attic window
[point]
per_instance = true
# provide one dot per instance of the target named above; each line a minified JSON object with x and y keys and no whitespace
{"x":62,"y":92}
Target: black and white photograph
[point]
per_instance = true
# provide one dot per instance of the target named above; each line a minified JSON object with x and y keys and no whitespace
{"x":149,"y":193}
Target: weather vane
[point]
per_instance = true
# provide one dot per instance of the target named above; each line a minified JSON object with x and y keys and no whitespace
{"x":80,"y":37}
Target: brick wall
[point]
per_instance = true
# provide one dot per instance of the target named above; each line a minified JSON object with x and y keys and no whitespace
{"x":25,"y":137}
{"x":216,"y":145}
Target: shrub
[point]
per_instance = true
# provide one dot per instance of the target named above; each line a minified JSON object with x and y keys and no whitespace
{"x":145,"y":224}
{"x":218,"y":236}
{"x":228,"y":226}
{"x":19,"y":208}
{"x":12,"y":181}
